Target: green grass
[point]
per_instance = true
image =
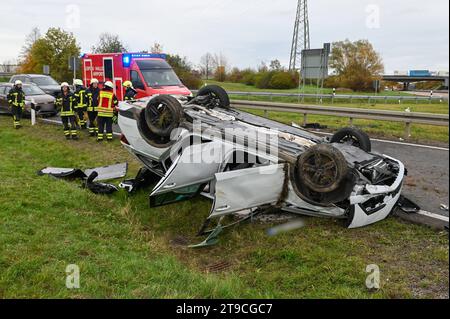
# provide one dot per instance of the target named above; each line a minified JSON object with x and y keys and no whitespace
{"x":310,"y":89}
{"x":124,"y":250}
{"x":4,"y":79}
{"x":392,"y":105}
{"x":428,"y":134}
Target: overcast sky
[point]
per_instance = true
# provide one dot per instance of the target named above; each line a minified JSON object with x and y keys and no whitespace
{"x":407,"y":33}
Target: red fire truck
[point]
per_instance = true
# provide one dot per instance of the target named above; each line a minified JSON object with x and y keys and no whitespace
{"x":149,"y":73}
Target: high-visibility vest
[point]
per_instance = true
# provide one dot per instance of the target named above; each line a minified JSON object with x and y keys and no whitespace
{"x":81,"y":98}
{"x":106,"y":104}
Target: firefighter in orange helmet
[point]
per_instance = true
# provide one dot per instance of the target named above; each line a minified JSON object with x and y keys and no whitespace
{"x":107,"y":107}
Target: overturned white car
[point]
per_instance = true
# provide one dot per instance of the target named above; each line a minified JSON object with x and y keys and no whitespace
{"x":200,"y":146}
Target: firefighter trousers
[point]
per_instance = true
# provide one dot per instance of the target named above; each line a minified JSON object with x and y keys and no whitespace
{"x":17,"y":113}
{"x":104,"y":125}
{"x":81,"y":117}
{"x":92,"y":115}
{"x":70,"y":128}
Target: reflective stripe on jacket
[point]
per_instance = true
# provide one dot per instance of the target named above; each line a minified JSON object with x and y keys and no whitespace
{"x":16,"y":97}
{"x":67,"y":103}
{"x":92,"y":99}
{"x":107,"y":104}
{"x":80,"y":95}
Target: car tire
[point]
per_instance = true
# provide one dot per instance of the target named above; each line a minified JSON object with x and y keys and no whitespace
{"x":322,"y":168}
{"x":163,"y":114}
{"x":219,"y":96}
{"x":353,"y":136}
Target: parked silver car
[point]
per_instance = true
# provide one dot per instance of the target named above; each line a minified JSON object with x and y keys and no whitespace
{"x":44,"y":103}
{"x":244,"y":162}
{"x":45,"y":82}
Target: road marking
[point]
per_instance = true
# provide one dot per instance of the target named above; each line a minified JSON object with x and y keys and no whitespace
{"x":399,"y":143}
{"x":432,"y":215}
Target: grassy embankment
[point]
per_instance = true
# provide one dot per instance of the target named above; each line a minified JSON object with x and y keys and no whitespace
{"x":126,"y":250}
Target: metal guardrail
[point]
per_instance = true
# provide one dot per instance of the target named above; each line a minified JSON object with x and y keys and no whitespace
{"x":352,"y":113}
{"x":6,"y":74}
{"x":350,"y":97}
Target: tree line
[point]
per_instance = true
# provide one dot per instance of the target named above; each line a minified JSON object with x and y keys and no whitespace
{"x":355,"y":65}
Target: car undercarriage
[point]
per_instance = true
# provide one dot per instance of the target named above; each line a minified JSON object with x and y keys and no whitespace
{"x":243,"y":162}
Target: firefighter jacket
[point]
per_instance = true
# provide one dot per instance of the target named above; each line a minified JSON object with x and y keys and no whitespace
{"x":16,"y":97}
{"x":66,"y":103}
{"x":107,"y":103}
{"x":92,"y":95}
{"x":130,"y":94}
{"x":80,"y":95}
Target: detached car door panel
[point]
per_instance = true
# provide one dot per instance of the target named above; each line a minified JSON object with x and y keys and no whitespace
{"x":196,"y":165}
{"x":247,"y":188}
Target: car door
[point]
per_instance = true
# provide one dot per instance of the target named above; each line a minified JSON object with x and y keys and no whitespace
{"x":247,"y":188}
{"x":3,"y":98}
{"x":193,"y":168}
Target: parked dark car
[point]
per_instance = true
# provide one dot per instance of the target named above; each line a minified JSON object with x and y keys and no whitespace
{"x":44,"y":103}
{"x":45,"y":82}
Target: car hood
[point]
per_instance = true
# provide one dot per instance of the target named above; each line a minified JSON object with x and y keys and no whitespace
{"x":44,"y":98}
{"x":50,"y":88}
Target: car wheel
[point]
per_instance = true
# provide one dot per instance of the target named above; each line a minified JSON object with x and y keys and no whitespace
{"x":218,"y":97}
{"x":354,"y":137}
{"x":322,"y":168}
{"x":163,"y":114}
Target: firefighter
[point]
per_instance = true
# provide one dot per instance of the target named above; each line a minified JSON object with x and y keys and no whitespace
{"x":67,"y":102}
{"x":107,"y":108}
{"x":130,"y":92}
{"x":92,"y":94}
{"x":16,"y":99}
{"x":81,"y":108}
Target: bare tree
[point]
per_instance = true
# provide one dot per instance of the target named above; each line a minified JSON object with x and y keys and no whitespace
{"x":156,"y":48}
{"x":220,"y":61}
{"x":30,"y":39}
{"x":275,"y":65}
{"x":109,"y":43}
{"x":207,"y":64}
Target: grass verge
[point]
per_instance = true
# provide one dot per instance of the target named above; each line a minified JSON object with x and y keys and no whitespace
{"x":126,"y":250}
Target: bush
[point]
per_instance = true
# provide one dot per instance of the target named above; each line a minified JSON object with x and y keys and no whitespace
{"x":262,"y":80}
{"x":282,"y":80}
{"x":249,"y":79}
{"x":190,"y":80}
{"x":235,"y":75}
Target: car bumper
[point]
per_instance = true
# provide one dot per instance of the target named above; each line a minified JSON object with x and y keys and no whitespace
{"x":378,"y":204}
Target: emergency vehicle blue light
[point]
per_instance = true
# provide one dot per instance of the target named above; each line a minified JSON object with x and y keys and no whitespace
{"x":149,"y":55}
{"x":126,"y":60}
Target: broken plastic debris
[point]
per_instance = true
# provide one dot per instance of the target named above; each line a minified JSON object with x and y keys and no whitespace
{"x":444,"y":207}
{"x":104,"y":172}
{"x":99,"y":188}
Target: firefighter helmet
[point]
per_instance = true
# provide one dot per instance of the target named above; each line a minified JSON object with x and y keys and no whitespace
{"x":64,"y":84}
{"x":128,"y":84}
{"x":17,"y":82}
{"x":109,"y":84}
{"x":94,"y":81}
{"x":78,"y":82}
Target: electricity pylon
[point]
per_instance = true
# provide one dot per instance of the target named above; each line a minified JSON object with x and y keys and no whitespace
{"x":300,"y":39}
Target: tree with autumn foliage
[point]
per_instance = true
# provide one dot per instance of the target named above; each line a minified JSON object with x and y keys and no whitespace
{"x":53,"y":49}
{"x":356,"y":65}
